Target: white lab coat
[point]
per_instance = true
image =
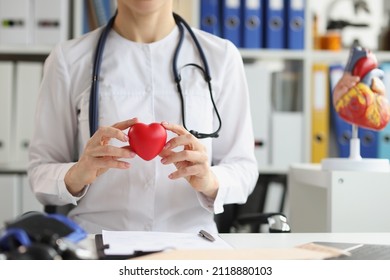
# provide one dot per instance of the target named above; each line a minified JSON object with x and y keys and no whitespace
{"x":137,"y":81}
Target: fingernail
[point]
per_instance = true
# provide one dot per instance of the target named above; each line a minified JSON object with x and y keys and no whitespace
{"x":132,"y":154}
{"x":163,"y":160}
{"x":164,"y":123}
{"x":167,"y":145}
{"x":126,"y":138}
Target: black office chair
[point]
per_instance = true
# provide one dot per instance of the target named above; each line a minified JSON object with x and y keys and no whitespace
{"x":54,"y":209}
{"x":250,"y":217}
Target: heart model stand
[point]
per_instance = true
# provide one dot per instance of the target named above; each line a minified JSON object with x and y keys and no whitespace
{"x":355,"y":162}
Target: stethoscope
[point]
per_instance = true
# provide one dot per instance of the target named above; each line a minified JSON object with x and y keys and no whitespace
{"x":94,"y":104}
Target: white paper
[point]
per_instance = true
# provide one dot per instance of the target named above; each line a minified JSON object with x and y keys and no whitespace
{"x":126,"y":242}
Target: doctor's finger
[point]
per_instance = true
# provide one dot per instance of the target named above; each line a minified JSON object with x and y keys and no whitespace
{"x":125,"y":124}
{"x":111,"y":151}
{"x":103,"y":134}
{"x":188,"y":140}
{"x":185,"y":155}
{"x":178,"y":129}
{"x":109,"y":162}
{"x":186,"y":171}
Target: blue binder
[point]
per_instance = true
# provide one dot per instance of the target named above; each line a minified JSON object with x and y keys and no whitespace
{"x":231,"y":15}
{"x":341,"y":129}
{"x":295,"y":24}
{"x":274,"y":24}
{"x":96,"y":13}
{"x":368,"y":143}
{"x":210,"y":20}
{"x":384,"y":135}
{"x":252,"y":25}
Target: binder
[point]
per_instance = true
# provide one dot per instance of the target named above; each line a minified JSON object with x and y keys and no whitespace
{"x":259,"y":85}
{"x":252,"y":25}
{"x":368,"y":143}
{"x":319,"y":112}
{"x":231,"y":16}
{"x":51,"y":23}
{"x":295,"y":24}
{"x":28,"y":79}
{"x":97,"y":13}
{"x":16,"y":22}
{"x":342,"y":130}
{"x":6,"y":92}
{"x":384,"y":135}
{"x":286,"y":142}
{"x":274,"y":24}
{"x":210,"y":20}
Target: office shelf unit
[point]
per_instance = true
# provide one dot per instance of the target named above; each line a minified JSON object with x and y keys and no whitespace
{"x":305,"y":60}
{"x":22,"y":62}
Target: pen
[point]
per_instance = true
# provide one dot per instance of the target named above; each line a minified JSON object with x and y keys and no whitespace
{"x":204,"y":234}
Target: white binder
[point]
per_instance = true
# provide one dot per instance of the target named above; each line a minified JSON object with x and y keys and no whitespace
{"x":51,"y":21}
{"x":259,"y":85}
{"x":287,"y":139}
{"x":15,"y":22}
{"x":28,"y":79}
{"x":6,"y":91}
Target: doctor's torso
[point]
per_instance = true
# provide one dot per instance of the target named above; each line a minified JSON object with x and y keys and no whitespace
{"x":136,"y":80}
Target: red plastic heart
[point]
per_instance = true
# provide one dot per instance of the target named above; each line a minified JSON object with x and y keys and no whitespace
{"x":147,"y":141}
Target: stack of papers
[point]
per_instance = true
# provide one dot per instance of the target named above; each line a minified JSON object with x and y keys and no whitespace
{"x":129,"y":242}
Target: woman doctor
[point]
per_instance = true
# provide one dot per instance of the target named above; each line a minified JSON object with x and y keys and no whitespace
{"x":111,"y":187}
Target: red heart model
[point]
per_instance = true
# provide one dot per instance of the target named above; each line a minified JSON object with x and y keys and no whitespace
{"x":365,"y":65}
{"x":147,"y":141}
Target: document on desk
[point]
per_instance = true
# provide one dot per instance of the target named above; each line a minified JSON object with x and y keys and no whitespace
{"x":129,"y":242}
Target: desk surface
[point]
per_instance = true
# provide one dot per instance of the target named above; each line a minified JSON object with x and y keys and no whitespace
{"x":288,"y":240}
{"x":284,"y":240}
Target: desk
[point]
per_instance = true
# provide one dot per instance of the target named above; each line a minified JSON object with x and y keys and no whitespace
{"x":288,"y":240}
{"x":338,"y":201}
{"x":281,"y":240}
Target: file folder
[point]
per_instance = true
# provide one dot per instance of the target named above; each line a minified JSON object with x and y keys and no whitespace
{"x":368,"y":143}
{"x":28,"y":79}
{"x":274,"y":24}
{"x":286,"y":142}
{"x":6,"y":92}
{"x":51,"y":23}
{"x":231,"y":16}
{"x":295,"y":24}
{"x":15,"y":22}
{"x":384,"y":135}
{"x":210,"y":20}
{"x":259,"y":86}
{"x":320,"y":112}
{"x":97,"y":13}
{"x":342,"y":130}
{"x":253,"y":24}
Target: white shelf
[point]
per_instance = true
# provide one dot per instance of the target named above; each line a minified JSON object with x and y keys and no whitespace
{"x":25,"y":50}
{"x":272,"y":54}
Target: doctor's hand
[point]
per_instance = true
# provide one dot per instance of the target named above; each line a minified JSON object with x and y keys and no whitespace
{"x":99,"y":156}
{"x":191,"y":162}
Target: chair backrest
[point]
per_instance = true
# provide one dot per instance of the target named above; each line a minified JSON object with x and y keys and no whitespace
{"x":251,"y":216}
